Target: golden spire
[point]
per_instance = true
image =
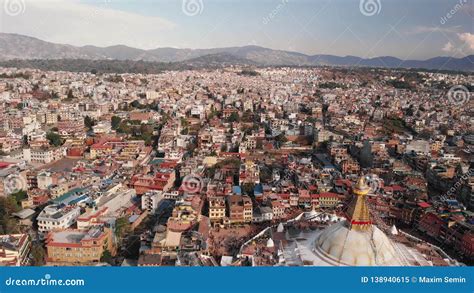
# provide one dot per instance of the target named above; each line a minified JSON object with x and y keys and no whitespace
{"x":359,"y":214}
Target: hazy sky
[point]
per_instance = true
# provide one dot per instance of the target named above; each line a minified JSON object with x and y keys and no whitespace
{"x":408,"y":29}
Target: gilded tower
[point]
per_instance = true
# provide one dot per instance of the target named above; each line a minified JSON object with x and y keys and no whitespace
{"x":358,"y":213}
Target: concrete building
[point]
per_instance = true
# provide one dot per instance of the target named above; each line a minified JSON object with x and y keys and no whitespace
{"x":240,"y":209}
{"x":216,"y":209}
{"x":151,"y":200}
{"x":14,"y":249}
{"x":75,"y":247}
{"x":56,"y":217}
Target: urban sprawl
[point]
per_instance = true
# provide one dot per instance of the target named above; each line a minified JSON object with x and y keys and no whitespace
{"x":237,"y":166}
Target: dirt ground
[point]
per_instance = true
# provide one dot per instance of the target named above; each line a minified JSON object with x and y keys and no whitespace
{"x":227,"y":241}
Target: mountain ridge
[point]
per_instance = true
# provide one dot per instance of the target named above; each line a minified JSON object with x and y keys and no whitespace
{"x":15,"y":46}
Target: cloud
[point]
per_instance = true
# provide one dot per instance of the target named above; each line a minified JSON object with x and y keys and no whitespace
{"x":448,"y":47}
{"x":467,"y":38}
{"x":75,"y":23}
{"x":433,"y":29}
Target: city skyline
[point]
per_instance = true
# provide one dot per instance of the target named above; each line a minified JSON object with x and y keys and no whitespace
{"x":358,"y":28}
{"x":147,"y":139}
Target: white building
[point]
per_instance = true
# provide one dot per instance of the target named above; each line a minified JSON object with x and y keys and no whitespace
{"x":151,"y":200}
{"x":44,"y":180}
{"x":419,"y":147}
{"x":102,"y":128}
{"x":115,"y":199}
{"x":44,"y":155}
{"x":55,"y":217}
{"x":14,"y":249}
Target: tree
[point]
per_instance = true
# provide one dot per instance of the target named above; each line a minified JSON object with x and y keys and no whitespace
{"x":8,"y":206}
{"x":54,"y":95}
{"x":234,"y":117}
{"x":223,"y":148}
{"x":115,"y":121}
{"x":281,"y":138}
{"x":136,"y":104}
{"x":19,"y":196}
{"x":70,"y":95}
{"x":54,"y":139}
{"x":366,"y":156}
{"x":122,"y":227}
{"x":106,"y":257}
{"x":38,"y":254}
{"x":89,"y":122}
{"x":247,"y":188}
{"x":184,"y":122}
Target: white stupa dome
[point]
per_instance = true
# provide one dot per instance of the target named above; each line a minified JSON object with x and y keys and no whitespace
{"x":340,"y":245}
{"x":270,"y":243}
{"x":393,"y":230}
{"x":280,"y":228}
{"x":356,"y":241}
{"x":353,"y":241}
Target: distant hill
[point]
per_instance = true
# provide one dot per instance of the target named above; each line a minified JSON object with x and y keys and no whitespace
{"x":13,"y":46}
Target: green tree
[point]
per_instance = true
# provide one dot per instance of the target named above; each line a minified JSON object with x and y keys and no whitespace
{"x":136,"y":104}
{"x":106,"y":257}
{"x":234,"y":117}
{"x":122,"y":227}
{"x":19,"y":196}
{"x":54,"y":139}
{"x":115,"y":121}
{"x":38,"y":254}
{"x":281,"y":138}
{"x":54,"y":95}
{"x":89,"y":122}
{"x":8,"y":224}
